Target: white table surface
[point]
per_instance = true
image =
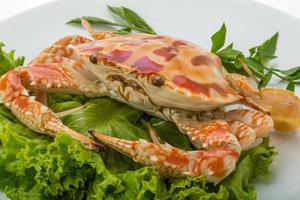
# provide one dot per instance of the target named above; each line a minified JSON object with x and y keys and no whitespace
{"x":10,"y":8}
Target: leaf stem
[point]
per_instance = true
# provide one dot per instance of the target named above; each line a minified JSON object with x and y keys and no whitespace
{"x":133,"y":28}
{"x":275,"y":73}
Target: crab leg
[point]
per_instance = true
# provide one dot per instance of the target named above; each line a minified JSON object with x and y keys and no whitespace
{"x":71,"y":39}
{"x":62,"y":50}
{"x":251,"y":94}
{"x":154,"y":137}
{"x":261,"y":123}
{"x":57,"y":69}
{"x":46,"y":57}
{"x":41,"y":119}
{"x":50,"y":77}
{"x":244,"y":133}
{"x":209,"y":135}
{"x":215,"y":163}
{"x":74,"y":65}
{"x":61,"y":53}
{"x":96,"y":35}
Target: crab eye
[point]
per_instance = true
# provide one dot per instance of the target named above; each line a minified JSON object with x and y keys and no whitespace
{"x":157,"y":80}
{"x":93,"y":58}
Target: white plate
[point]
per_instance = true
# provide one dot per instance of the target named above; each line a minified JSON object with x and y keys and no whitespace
{"x":248,"y":23}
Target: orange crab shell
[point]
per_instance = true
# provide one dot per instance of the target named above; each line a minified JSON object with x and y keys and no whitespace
{"x":187,"y":69}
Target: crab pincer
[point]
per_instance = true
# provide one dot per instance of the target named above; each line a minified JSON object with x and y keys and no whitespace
{"x":282,"y":105}
{"x":215,"y":161}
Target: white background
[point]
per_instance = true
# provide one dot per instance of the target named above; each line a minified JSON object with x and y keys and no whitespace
{"x":286,"y":167}
{"x":10,"y":8}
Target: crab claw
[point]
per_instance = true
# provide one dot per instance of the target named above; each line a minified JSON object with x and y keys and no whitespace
{"x":170,"y":161}
{"x":284,"y":107}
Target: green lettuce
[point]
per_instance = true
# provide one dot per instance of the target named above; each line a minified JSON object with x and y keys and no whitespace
{"x":8,"y":60}
{"x":253,"y":163}
{"x":35,"y":166}
{"x":112,"y":118}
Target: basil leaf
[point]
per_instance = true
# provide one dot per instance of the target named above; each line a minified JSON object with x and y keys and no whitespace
{"x":218,"y":39}
{"x":252,"y":51}
{"x":264,"y":82}
{"x":137,"y":21}
{"x":229,"y":57}
{"x":92,"y":20}
{"x":8,"y":60}
{"x":228,"y":53}
{"x":255,"y":64}
{"x":132,"y":19}
{"x":291,"y":86}
{"x":74,"y":21}
{"x":266,"y":51}
{"x":231,"y":67}
{"x":118,"y":11}
{"x":123,"y":31}
{"x":296,"y":77}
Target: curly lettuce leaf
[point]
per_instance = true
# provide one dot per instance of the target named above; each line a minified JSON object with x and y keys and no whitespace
{"x":33,"y":166}
{"x":144,"y":183}
{"x":253,"y":163}
{"x":195,"y":188}
{"x":8,"y":60}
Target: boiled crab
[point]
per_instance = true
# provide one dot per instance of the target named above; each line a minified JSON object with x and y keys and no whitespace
{"x":164,"y":76}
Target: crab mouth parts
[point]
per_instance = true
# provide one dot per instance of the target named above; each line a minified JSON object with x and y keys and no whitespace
{"x":125,"y":88}
{"x":129,"y":91}
{"x":126,"y":82}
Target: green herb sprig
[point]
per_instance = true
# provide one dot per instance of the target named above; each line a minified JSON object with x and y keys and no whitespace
{"x":257,"y":61}
{"x":8,"y":60}
{"x":132,"y":21}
